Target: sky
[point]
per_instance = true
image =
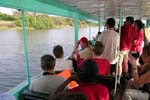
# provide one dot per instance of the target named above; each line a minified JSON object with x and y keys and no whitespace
{"x":7,"y":10}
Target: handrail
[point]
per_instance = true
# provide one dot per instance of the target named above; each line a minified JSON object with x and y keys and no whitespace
{"x":25,"y":46}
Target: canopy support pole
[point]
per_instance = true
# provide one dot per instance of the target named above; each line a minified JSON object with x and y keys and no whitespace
{"x":25,"y":46}
{"x":89,"y":32}
{"x":99,"y":24}
{"x":120,"y":24}
{"x":76,"y":28}
{"x":147,"y":22}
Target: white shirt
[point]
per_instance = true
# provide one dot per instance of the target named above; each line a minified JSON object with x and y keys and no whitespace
{"x":110,"y":39}
{"x":46,"y":84}
{"x":63,"y":64}
{"x":86,"y":53}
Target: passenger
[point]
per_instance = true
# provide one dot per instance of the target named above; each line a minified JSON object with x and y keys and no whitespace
{"x":141,"y":88}
{"x":110,"y":39}
{"x":86,"y":50}
{"x":61,"y":63}
{"x":138,"y":42}
{"x":88,"y":82}
{"x":103,"y":64}
{"x":69,"y":96}
{"x":63,"y":67}
{"x":126,"y":42}
{"x":48,"y":82}
{"x":97,"y":36}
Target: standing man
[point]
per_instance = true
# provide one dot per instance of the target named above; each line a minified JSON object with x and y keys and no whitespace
{"x":110,"y":40}
{"x":126,"y":42}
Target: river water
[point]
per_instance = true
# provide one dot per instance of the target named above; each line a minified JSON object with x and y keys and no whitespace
{"x":12,"y":65}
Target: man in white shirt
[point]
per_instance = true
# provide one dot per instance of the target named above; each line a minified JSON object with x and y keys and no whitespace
{"x":110,"y":40}
{"x":61,"y":63}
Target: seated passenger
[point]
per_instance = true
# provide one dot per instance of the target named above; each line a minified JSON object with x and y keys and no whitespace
{"x":86,"y":50}
{"x":61,"y":63}
{"x":63,"y":67}
{"x":48,"y":82}
{"x":141,"y":88}
{"x":103,"y":64}
{"x":88,"y":82}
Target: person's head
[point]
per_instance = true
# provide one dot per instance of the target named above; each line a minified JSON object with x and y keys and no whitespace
{"x":89,"y":71}
{"x":98,"y":48}
{"x":146,"y":54}
{"x":138,"y":25}
{"x":130,"y":19}
{"x":69,"y":96}
{"x":58,"y":51}
{"x":47,"y":62}
{"x":84,"y":42}
{"x":99,"y":33}
{"x":110,"y":22}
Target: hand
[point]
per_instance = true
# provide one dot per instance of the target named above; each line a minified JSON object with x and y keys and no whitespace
{"x":77,"y":44}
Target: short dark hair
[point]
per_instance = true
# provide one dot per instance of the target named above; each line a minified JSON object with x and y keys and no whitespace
{"x":139,"y":24}
{"x":98,"y":48}
{"x":47,"y":62}
{"x":89,"y":71}
{"x":69,"y":96}
{"x":111,"y":22}
{"x":58,"y":51}
{"x":130,"y":19}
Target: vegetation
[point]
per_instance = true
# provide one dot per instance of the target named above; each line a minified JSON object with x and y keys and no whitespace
{"x":38,"y":21}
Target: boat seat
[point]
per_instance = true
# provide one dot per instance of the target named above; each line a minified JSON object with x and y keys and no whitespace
{"x":109,"y":82}
{"x":30,"y":95}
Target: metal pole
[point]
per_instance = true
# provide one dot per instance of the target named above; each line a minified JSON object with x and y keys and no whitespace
{"x":76,"y":28}
{"x":25,"y":46}
{"x":89,"y":32}
{"x":99,"y":24}
{"x":120,"y":24}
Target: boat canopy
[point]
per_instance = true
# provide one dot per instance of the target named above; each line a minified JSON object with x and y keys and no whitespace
{"x":110,"y":8}
{"x":84,"y":9}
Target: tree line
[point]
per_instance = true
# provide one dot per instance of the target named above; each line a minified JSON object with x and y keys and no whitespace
{"x":43,"y":21}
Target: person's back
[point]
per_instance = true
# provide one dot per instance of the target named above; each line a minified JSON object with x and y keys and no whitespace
{"x":93,"y":91}
{"x":110,"y":40}
{"x":127,"y":36}
{"x":48,"y":82}
{"x":61,"y":63}
{"x":63,"y":67}
{"x":89,"y":85}
{"x":103,"y":64}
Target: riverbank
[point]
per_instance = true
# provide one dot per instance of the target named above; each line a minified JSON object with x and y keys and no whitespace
{"x":10,"y":25}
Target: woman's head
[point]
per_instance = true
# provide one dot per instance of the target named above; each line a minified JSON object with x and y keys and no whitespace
{"x":84,"y":42}
{"x":89,"y":71}
{"x":146,"y":54}
{"x":138,"y":25}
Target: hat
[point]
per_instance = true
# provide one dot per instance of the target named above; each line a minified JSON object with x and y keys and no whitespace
{"x":84,"y":39}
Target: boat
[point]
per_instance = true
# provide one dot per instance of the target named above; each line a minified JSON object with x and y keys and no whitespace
{"x":89,"y":10}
